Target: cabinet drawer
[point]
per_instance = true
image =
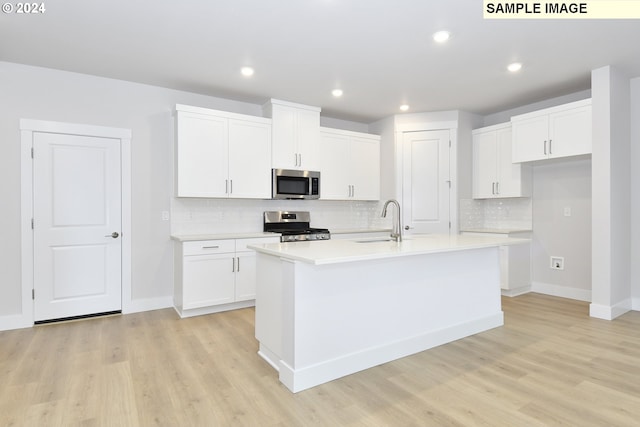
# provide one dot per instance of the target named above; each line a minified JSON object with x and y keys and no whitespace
{"x":204,"y":247}
{"x":241,"y":244}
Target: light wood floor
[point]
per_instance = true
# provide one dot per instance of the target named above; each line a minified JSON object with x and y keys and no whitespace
{"x":549,"y":365}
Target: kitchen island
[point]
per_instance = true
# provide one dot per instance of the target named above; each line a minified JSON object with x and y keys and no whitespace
{"x":327,"y":309}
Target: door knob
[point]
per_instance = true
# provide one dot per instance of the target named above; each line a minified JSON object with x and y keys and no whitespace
{"x":406,"y":227}
{"x":115,"y":235}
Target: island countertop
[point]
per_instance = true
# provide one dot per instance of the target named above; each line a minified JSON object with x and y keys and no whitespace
{"x":340,"y":251}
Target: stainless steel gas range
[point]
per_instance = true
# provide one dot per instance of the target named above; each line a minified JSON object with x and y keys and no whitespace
{"x":293,"y":226}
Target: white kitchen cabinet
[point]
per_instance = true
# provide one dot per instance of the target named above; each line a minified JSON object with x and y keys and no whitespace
{"x":515,"y":262}
{"x":295,"y":135}
{"x":222,"y":155}
{"x":350,"y":165}
{"x":215,"y":275}
{"x":555,"y":132}
{"x":494,"y":175}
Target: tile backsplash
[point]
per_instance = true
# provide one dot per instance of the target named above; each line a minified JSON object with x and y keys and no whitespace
{"x":513,"y":213}
{"x":214,"y":216}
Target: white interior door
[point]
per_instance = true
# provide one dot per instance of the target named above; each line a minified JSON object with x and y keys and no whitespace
{"x":77,"y":225}
{"x":426,"y":184}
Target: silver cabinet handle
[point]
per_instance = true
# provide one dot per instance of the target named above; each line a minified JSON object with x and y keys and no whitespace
{"x":210,"y":247}
{"x":114,"y":235}
{"x":497,"y":187}
{"x":238,"y":264}
{"x":353,"y":191}
{"x":230,"y":186}
{"x":300,"y":161}
{"x":233,"y":265}
{"x":545,"y":147}
{"x":550,"y":152}
{"x":493,"y":188}
{"x":406,"y":227}
{"x":295,"y":159}
{"x":226,"y":186}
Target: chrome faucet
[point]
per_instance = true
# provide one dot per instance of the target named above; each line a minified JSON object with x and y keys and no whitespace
{"x":396,"y":234}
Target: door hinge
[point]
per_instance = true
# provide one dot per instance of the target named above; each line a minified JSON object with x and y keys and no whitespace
{"x":32,"y":222}
{"x":449,"y":143}
{"x":449,"y":225}
{"x":33,"y":294}
{"x":32,"y":152}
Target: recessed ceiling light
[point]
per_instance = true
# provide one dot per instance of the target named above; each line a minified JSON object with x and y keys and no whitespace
{"x":337,"y":93}
{"x":441,"y":36}
{"x":404,"y":107}
{"x":247,"y":71}
{"x":515,"y":66}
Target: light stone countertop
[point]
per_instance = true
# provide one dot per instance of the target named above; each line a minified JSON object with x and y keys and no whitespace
{"x":496,"y":230}
{"x":341,"y":251}
{"x":221,"y":236}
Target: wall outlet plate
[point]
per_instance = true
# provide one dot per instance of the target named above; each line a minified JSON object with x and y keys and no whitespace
{"x":557,"y":263}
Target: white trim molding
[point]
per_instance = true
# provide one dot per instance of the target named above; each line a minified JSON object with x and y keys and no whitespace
{"x":27,"y":128}
{"x":607,"y":312}
{"x":561,"y":291}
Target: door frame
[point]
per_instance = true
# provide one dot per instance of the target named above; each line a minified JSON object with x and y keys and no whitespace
{"x":452,"y":127}
{"x":27,"y":128}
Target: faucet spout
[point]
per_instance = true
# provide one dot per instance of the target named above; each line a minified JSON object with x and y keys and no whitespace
{"x":397,"y":226}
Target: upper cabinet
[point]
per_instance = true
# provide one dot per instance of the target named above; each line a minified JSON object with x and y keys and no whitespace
{"x":350,"y":165}
{"x":553,"y":132}
{"x":494,"y":175}
{"x":295,"y":135}
{"x":222,"y":155}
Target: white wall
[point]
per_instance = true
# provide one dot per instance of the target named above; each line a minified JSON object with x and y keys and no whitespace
{"x":556,"y":187}
{"x":611,"y":192}
{"x":45,"y":94}
{"x":635,"y":193}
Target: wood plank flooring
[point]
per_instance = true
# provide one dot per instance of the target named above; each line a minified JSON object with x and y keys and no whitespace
{"x":549,"y":365}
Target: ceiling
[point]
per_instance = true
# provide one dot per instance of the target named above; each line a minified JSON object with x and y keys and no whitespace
{"x":379,"y":52}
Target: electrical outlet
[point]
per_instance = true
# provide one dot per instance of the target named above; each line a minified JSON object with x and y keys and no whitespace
{"x":165,"y":215}
{"x":557,"y":263}
{"x":567,"y":211}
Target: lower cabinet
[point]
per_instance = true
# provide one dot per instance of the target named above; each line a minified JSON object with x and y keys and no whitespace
{"x":515,"y":263}
{"x":215,"y":275}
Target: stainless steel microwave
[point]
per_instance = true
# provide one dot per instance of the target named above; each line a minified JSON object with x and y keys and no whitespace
{"x":295,"y":184}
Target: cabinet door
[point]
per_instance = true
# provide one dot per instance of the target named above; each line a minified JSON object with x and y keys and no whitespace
{"x":308,"y":139}
{"x":570,"y":132}
{"x":284,"y":147}
{"x":484,"y":165}
{"x":365,"y":168}
{"x":201,"y":156}
{"x":530,"y":138}
{"x":249,"y":159}
{"x":334,"y":166}
{"x":208,"y":280}
{"x":245,"y":276}
{"x":510,"y":176}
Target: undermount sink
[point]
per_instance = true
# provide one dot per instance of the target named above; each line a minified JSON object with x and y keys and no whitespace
{"x":382,"y":239}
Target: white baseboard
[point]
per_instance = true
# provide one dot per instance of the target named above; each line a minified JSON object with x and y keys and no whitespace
{"x":610,"y":312}
{"x":14,"y":321}
{"x":516,"y":291}
{"x":561,"y":291}
{"x":147,"y":304}
{"x":635,"y":304}
{"x":214,"y":308}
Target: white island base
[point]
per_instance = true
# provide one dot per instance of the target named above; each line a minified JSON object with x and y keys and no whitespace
{"x":317,"y":322}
